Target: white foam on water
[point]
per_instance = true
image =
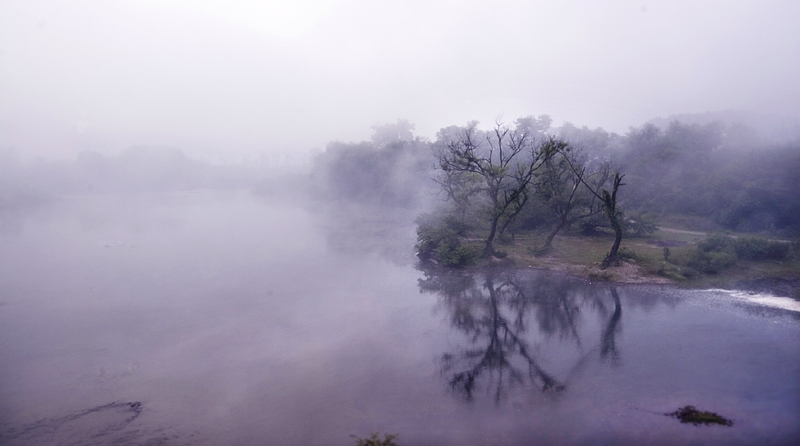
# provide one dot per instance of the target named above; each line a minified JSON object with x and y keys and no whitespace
{"x":765,"y":299}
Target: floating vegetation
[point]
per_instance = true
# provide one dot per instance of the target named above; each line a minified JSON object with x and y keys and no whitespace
{"x":375,"y":440}
{"x":689,"y":414}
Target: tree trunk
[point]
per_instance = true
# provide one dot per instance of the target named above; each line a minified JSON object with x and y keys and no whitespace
{"x":553,"y":234}
{"x":610,"y":201}
{"x":611,"y":258}
{"x":489,"y":250}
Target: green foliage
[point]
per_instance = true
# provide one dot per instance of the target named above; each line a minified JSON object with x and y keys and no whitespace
{"x":716,"y":243}
{"x":717,"y":252}
{"x":671,"y":271}
{"x":638,"y":225}
{"x":594,"y":225}
{"x":504,"y":161}
{"x":375,"y":440}
{"x":450,"y":252}
{"x":713,"y":254}
{"x":535,"y":215}
{"x":759,"y":248}
{"x":703,"y":170}
{"x":627,"y":253}
{"x":439,"y":239}
{"x":712,"y":262}
{"x":504,"y":239}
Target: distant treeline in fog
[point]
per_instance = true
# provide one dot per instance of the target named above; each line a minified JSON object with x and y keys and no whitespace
{"x":724,"y":175}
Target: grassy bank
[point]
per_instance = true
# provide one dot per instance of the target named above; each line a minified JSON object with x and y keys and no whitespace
{"x":644,"y":261}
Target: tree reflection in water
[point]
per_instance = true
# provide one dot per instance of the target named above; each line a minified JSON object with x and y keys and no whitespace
{"x":506,"y":314}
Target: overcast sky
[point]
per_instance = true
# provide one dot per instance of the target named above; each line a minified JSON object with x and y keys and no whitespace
{"x":260,"y":76}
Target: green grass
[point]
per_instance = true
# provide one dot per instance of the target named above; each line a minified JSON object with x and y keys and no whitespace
{"x":588,"y":252}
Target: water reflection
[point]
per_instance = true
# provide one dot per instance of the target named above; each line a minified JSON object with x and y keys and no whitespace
{"x":524,"y":329}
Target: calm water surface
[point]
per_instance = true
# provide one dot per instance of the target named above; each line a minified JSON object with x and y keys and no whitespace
{"x":222,"y":318}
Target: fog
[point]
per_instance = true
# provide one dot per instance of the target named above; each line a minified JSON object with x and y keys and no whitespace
{"x":243,"y":77}
{"x":210,"y":318}
{"x":296,"y":222}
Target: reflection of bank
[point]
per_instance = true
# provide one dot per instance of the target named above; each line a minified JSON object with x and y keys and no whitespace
{"x":507,"y":315}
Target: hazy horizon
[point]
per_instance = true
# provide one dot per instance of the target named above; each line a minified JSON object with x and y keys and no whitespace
{"x":245,"y":77}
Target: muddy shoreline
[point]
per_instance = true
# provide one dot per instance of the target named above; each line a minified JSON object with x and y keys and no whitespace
{"x":630,"y":273}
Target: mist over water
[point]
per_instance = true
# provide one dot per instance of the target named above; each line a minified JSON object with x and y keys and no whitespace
{"x":251,"y":222}
{"x":230,"y":318}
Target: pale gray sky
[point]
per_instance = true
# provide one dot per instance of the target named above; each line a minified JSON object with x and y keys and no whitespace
{"x":259,"y":76}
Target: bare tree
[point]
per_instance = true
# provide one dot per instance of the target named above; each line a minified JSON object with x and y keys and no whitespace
{"x":615,"y":217}
{"x":559,"y":187}
{"x":609,"y":199}
{"x":502,"y":161}
{"x":460,"y":189}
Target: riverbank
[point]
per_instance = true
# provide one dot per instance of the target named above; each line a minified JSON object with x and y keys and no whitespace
{"x":654,"y":259}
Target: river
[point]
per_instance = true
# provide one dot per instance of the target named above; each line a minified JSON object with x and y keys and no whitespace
{"x":214,"y":318}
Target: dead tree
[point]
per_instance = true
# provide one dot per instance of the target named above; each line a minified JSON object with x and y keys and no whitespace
{"x":609,"y":200}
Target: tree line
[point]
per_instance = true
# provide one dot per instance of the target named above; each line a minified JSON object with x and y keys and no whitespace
{"x":527,"y":175}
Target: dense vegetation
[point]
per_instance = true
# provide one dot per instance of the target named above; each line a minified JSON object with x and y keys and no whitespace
{"x":706,"y":171}
{"x":472,"y":191}
{"x":528,"y":176}
{"x":390,"y":170}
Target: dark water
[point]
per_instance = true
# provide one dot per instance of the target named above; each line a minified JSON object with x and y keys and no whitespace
{"x":217,"y":319}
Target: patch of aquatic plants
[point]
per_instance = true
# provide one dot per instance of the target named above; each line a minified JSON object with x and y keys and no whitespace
{"x":689,"y":414}
{"x":375,"y":440}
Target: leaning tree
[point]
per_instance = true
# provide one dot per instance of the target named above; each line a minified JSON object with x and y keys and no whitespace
{"x":609,"y":200}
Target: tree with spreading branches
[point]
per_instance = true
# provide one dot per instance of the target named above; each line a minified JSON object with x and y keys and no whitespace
{"x":560,"y":189}
{"x":613,"y":213}
{"x":498,"y":165}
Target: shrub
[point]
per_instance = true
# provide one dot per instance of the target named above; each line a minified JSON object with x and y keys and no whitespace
{"x":627,"y":253}
{"x":638,"y":226}
{"x":450,"y":252}
{"x":759,"y":248}
{"x":439,"y":239}
{"x":713,"y":254}
{"x":716,"y":242}
{"x":671,"y":271}
{"x":689,"y":272}
{"x":711,"y":262}
{"x":593,"y":225}
{"x":504,"y":239}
